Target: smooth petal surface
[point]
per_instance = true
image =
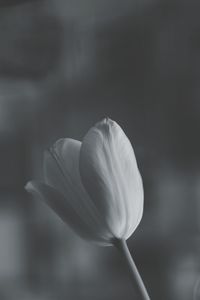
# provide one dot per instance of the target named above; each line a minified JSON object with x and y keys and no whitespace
{"x":65,"y":211}
{"x":110,"y":174}
{"x":60,"y":165}
{"x":61,"y":170}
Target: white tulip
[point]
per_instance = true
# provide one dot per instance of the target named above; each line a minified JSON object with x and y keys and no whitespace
{"x":96,"y":188}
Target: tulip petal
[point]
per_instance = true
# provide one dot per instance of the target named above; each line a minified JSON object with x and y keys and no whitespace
{"x":60,"y":165}
{"x":61,"y":170}
{"x":58,"y":203}
{"x":110,"y":175}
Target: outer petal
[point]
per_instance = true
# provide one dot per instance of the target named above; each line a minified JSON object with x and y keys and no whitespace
{"x":65,"y":211}
{"x":61,"y":170}
{"x":60,"y":165}
{"x":110,"y":174}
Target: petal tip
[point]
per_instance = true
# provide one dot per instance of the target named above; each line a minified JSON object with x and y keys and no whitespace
{"x":29,"y":187}
{"x":105,"y":124}
{"x":106,"y":120}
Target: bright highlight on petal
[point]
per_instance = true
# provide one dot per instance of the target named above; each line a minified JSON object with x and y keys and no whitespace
{"x":94,"y":186}
{"x":110,"y":174}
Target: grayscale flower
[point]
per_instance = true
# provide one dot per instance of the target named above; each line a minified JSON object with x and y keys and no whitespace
{"x":94,"y":186}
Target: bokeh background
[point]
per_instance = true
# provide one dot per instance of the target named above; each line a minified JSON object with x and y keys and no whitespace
{"x":63,"y":66}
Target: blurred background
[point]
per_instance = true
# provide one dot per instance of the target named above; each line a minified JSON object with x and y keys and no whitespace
{"x":63,"y":66}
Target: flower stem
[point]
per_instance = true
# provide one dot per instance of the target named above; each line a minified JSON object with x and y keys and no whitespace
{"x":138,"y":284}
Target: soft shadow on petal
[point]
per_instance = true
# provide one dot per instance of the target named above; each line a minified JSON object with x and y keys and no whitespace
{"x":110,"y":175}
{"x":60,"y":171}
{"x":58,"y":203}
{"x":60,"y":164}
{"x":67,"y":150}
{"x":61,"y":167}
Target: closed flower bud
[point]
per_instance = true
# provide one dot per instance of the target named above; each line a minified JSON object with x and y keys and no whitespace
{"x":94,"y":186}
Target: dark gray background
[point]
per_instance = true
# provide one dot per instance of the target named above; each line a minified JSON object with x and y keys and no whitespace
{"x":63,"y":66}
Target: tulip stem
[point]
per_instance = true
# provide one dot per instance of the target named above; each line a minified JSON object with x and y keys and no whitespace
{"x":138,"y":284}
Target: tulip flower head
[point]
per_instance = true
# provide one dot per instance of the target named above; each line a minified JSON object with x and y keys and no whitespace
{"x":94,"y":185}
